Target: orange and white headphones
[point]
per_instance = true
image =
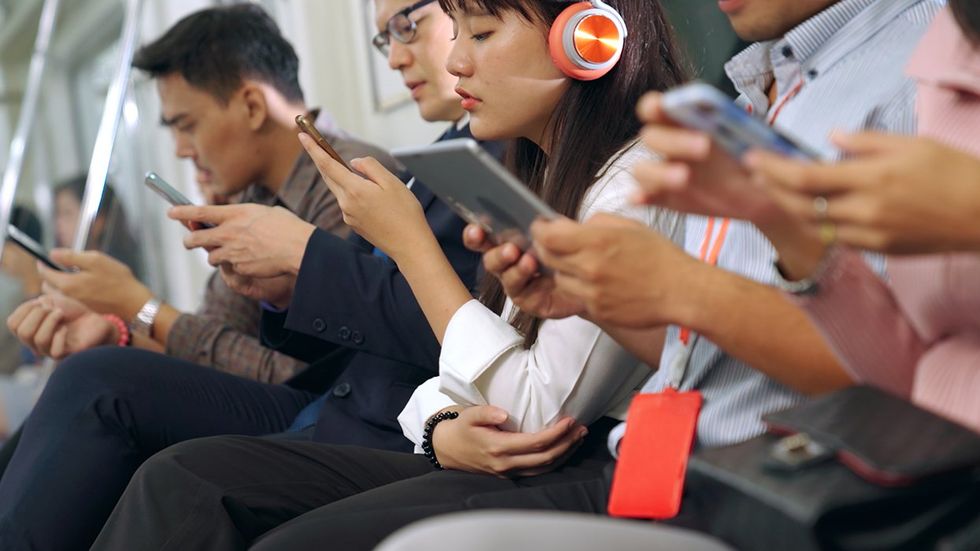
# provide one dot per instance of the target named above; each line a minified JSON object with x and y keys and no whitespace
{"x":587,"y":39}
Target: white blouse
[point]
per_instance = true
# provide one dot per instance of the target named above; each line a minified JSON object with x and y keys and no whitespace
{"x":573,"y":369}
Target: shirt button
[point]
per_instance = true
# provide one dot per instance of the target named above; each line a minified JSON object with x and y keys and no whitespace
{"x":344,"y":333}
{"x":787,"y":51}
{"x":341,"y":390}
{"x":319,"y":325}
{"x":812,"y":73}
{"x":357,"y":337}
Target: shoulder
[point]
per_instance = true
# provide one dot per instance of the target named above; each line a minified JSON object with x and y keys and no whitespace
{"x":615,"y":188}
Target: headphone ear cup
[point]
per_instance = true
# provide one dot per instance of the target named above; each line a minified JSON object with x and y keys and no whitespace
{"x":586,"y":46}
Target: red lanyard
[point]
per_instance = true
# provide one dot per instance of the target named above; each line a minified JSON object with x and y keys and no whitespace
{"x":709,"y":253}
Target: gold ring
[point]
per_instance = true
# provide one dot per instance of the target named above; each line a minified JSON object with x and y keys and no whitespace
{"x":828,"y":233}
{"x":820,"y":207}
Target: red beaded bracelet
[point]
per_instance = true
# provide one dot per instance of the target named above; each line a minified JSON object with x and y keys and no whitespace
{"x":124,"y":334}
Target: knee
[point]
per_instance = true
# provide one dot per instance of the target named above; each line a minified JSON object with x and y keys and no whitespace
{"x":188,"y":462}
{"x":93,"y":372}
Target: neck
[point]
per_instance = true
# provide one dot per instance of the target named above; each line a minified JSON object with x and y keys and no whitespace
{"x":281,"y":147}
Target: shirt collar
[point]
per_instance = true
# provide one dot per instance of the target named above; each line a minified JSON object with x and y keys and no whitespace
{"x":811,"y":48}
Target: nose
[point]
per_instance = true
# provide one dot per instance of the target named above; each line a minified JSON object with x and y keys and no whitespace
{"x":399,"y":55}
{"x":182,"y":146}
{"x":458,"y":63}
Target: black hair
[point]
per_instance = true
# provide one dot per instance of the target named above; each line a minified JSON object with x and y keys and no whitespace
{"x":216,"y":49}
{"x":116,"y":238}
{"x":592,"y":121}
{"x":27,"y":221}
{"x":967,"y":13}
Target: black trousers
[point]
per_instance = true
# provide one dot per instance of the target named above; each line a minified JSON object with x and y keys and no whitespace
{"x":101,"y":415}
{"x":237,"y":492}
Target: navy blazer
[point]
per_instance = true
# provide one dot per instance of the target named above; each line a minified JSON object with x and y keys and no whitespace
{"x":355,"y":319}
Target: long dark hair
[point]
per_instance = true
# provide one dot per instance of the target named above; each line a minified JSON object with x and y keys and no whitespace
{"x":592,"y":121}
{"x":967,"y":13}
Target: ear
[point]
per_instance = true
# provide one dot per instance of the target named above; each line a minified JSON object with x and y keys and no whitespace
{"x":255,"y":104}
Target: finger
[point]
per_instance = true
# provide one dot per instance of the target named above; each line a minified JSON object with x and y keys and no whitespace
{"x":516,"y":279}
{"x":336,"y":175}
{"x":210,"y":214}
{"x":45,"y":331}
{"x":376,"y":172}
{"x":677,"y":144}
{"x":548,"y":466}
{"x":59,"y":343}
{"x":19,"y":314}
{"x":558,"y":237}
{"x":499,"y":259}
{"x":85,"y":260}
{"x":28,"y":327}
{"x":657,"y":179}
{"x":521,"y":443}
{"x":550,"y":456}
{"x":54,"y":278}
{"x":211,"y":238}
{"x":868,"y":143}
{"x":649,"y":109}
{"x":484,"y":416}
{"x":806,"y":177}
{"x":475,"y":239}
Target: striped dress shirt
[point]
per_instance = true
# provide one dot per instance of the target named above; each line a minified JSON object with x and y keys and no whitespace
{"x":840,"y":69}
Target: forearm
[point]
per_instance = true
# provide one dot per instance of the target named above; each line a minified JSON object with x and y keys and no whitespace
{"x":434,"y":282}
{"x":760,"y":326}
{"x":646,"y":344}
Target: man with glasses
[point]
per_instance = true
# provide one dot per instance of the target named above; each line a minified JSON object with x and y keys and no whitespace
{"x":343,"y":306}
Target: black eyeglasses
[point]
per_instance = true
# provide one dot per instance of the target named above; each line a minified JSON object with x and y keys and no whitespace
{"x":400,"y":27}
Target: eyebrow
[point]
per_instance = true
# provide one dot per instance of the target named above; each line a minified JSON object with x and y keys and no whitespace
{"x":164,"y":121}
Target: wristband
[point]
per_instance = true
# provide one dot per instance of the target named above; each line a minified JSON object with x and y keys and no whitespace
{"x":430,"y":427}
{"x":125,"y":337}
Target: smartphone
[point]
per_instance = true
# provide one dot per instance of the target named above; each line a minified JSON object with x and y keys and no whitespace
{"x":32,"y":247}
{"x":306,"y":125}
{"x":168,"y":192}
{"x":477,"y":188}
{"x":702,"y":107}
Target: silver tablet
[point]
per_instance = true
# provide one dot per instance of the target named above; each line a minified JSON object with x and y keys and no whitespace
{"x":478,"y":188}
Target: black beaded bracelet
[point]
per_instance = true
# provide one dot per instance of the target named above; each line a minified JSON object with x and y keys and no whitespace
{"x":430,"y":427}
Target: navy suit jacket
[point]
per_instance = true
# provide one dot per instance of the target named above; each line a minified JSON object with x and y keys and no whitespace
{"x":354,"y":318}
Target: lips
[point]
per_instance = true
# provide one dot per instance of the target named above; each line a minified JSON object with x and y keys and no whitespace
{"x":415,"y":87}
{"x":730,"y":6}
{"x":468,"y":101}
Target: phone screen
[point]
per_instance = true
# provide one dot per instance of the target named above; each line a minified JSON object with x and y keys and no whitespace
{"x":33,"y":248}
{"x":304,"y":124}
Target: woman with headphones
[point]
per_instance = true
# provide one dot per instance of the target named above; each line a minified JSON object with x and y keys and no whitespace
{"x":560,"y":79}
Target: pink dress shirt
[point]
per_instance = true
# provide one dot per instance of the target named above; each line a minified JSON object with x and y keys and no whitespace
{"x":919,"y":334}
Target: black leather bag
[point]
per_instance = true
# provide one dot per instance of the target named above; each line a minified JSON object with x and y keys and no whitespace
{"x":861,"y":470}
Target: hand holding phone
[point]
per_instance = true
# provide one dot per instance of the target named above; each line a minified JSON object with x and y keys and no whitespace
{"x":33,"y":248}
{"x":699,"y":106}
{"x":304,"y":124}
{"x":169,"y":194}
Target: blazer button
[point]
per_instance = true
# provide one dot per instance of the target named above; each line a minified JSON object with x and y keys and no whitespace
{"x":341,"y":390}
{"x":319,"y":325}
{"x":357,"y":337}
{"x":344,"y":333}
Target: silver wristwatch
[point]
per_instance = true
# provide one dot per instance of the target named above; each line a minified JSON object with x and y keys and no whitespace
{"x":143,"y":322}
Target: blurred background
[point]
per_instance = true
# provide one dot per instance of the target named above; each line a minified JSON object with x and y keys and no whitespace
{"x":340,"y":72}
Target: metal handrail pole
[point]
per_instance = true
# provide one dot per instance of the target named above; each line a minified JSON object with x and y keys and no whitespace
{"x":112,"y":114}
{"x":22,"y":134}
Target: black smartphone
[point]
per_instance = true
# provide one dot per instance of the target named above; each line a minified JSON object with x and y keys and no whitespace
{"x":33,"y":248}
